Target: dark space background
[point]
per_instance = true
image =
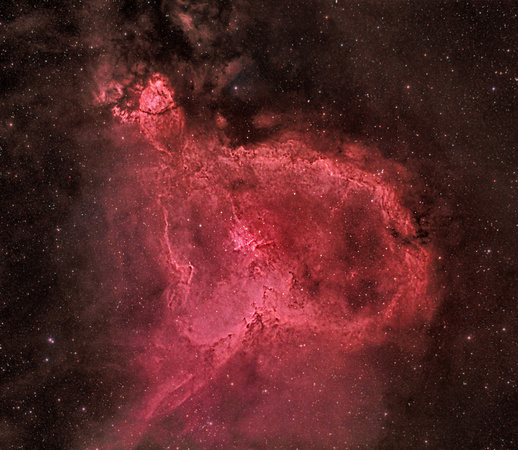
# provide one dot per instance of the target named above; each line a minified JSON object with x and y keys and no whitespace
{"x":432,"y":84}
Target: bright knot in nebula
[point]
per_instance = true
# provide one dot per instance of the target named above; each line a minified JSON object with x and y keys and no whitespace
{"x":291,"y":262}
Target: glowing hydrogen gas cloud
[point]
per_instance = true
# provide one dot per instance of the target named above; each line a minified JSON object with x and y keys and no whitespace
{"x":292,"y":256}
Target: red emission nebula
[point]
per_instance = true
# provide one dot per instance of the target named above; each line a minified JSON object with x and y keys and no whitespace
{"x":290,"y":263}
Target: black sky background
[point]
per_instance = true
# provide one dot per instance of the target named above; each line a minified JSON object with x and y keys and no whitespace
{"x":433,"y":85}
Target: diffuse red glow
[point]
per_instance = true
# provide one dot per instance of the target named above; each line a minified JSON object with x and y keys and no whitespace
{"x":277,"y":252}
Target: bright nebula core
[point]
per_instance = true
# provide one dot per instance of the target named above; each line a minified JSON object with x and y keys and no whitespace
{"x":284,"y":260}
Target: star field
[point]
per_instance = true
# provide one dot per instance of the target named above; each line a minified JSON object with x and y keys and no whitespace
{"x":234,"y":224}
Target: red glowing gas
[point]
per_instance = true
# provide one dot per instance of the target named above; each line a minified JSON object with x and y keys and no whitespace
{"x":276,"y":251}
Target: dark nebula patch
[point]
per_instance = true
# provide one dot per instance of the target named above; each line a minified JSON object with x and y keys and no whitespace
{"x":234,"y":224}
